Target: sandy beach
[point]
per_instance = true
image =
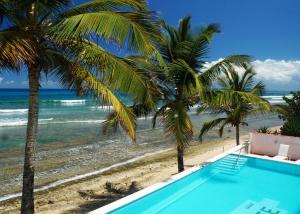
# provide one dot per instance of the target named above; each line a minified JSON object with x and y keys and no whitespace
{"x":88,"y":194}
{"x":102,"y":99}
{"x":65,"y":160}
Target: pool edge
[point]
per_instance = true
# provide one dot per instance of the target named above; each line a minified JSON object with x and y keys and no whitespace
{"x":148,"y":190}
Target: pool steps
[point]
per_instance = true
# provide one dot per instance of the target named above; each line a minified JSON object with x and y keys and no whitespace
{"x":230,"y":165}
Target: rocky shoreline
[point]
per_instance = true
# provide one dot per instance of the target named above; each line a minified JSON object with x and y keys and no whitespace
{"x":59,"y":161}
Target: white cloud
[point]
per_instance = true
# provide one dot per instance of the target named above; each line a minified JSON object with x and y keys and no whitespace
{"x":282,"y":72}
{"x":276,"y":74}
{"x":6,"y":82}
{"x":9,"y":82}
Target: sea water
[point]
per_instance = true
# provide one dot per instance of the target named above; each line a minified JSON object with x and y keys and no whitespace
{"x":70,"y":139}
{"x":63,"y":116}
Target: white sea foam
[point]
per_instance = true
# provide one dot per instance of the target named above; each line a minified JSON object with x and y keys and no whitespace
{"x":23,"y":122}
{"x":13,"y":111}
{"x":275,"y":99}
{"x":102,"y":107}
{"x":20,"y":122}
{"x":70,"y":102}
{"x":80,"y":121}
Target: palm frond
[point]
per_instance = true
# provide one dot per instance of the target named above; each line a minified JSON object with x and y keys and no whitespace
{"x":15,"y":49}
{"x":135,"y":29}
{"x":258,"y":89}
{"x":224,"y":123}
{"x":122,"y":74}
{"x":182,"y":74}
{"x":159,"y":113}
{"x":237,"y":98}
{"x":227,"y":97}
{"x":110,"y":125}
{"x":106,"y":5}
{"x":74,"y":75}
{"x":226,"y":64}
{"x":200,"y":46}
{"x":184,"y":28}
{"x":178,"y":124}
{"x":209,"y":125}
{"x":247,"y":79}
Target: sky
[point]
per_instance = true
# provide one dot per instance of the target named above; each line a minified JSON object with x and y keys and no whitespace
{"x":267,"y":30}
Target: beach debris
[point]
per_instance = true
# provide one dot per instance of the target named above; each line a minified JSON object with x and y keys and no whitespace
{"x":121,"y":188}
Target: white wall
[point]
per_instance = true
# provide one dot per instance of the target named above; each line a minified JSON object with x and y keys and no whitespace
{"x":268,"y":144}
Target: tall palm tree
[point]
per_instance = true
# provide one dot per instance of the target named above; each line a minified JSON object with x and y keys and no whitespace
{"x":236,"y":98}
{"x":185,"y":83}
{"x":64,"y":40}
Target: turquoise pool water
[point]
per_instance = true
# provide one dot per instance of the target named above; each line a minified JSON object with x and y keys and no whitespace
{"x":232,"y":185}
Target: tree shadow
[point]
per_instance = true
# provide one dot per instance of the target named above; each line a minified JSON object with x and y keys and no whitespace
{"x":94,"y":201}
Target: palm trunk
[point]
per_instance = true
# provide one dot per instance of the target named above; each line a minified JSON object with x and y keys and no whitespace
{"x":237,"y":134}
{"x":180,"y":162}
{"x":27,"y":206}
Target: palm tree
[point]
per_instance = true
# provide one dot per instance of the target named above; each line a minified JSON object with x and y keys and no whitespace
{"x":236,"y":98}
{"x":184,"y":82}
{"x":60,"y":39}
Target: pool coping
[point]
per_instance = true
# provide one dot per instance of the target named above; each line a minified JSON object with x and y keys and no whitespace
{"x":271,"y":158}
{"x":137,"y":195}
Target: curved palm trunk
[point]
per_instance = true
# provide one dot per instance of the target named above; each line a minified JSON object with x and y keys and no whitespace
{"x":180,"y":162}
{"x":27,"y":206}
{"x":237,"y":134}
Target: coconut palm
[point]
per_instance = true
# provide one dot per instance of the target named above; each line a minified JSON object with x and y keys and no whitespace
{"x":185,"y":83}
{"x":236,"y":98}
{"x":57,"y":38}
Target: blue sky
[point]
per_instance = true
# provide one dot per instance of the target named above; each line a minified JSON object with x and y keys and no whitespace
{"x":262,"y":28}
{"x":268,"y":30}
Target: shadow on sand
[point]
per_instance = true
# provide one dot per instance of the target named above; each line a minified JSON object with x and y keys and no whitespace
{"x":94,"y":201}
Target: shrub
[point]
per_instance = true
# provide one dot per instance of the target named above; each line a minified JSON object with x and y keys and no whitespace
{"x":263,"y":130}
{"x":291,"y":128}
{"x":292,"y":108}
{"x":291,"y":115}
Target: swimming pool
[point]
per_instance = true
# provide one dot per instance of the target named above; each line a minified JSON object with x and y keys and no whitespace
{"x":233,"y":184}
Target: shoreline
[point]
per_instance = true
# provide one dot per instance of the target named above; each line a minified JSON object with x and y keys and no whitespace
{"x":76,"y":196}
{"x":80,"y":177}
{"x":63,"y":161}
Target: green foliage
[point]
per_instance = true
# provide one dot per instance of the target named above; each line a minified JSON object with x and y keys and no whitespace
{"x":291,"y":115}
{"x":62,"y":40}
{"x":292,"y":107}
{"x":237,"y":97}
{"x":291,"y":128}
{"x":264,"y":130}
{"x":187,"y":80}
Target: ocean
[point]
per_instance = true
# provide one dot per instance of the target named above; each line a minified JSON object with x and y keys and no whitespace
{"x":70,"y":141}
{"x":63,"y":116}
